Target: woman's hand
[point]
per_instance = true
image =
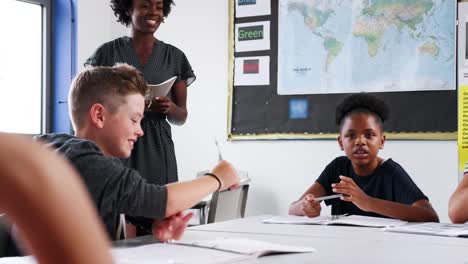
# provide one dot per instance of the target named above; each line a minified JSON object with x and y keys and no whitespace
{"x":352,"y":193}
{"x":161,"y":104}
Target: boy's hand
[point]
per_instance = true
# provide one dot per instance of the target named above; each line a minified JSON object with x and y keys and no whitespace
{"x":353,"y":193}
{"x":171,"y":228}
{"x":227,"y":174}
{"x":162,"y":104}
{"x":310,"y":207}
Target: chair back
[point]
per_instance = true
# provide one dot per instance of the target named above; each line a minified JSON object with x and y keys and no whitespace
{"x":228,"y":204}
{"x":4,"y":237}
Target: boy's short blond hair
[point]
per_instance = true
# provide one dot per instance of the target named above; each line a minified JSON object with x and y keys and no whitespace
{"x":104,"y":85}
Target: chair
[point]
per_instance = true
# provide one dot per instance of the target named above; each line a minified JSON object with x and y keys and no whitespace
{"x":4,"y":237}
{"x":9,"y":247}
{"x":202,"y":208}
{"x":224,"y":205}
{"x":228,"y":204}
{"x":121,"y":232}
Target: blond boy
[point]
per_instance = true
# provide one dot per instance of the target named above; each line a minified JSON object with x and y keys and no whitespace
{"x":106,"y":106}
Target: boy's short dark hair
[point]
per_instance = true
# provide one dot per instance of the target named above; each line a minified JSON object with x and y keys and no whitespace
{"x":105,"y":85}
{"x":362,"y":103}
{"x":121,"y":9}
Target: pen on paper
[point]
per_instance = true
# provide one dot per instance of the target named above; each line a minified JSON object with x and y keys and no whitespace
{"x":220,"y":157}
{"x":323,"y":198}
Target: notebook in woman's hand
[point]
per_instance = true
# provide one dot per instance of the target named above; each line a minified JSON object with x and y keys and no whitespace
{"x":162,"y":89}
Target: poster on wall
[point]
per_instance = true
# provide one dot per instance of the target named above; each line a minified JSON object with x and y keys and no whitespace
{"x":463,"y":87}
{"x":252,"y":71}
{"x":252,"y":36}
{"x":321,"y":51}
{"x":381,"y":46}
{"x":250,"y":8}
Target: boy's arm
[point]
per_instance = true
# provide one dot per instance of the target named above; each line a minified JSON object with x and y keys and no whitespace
{"x":135,"y":197}
{"x":419,"y":211}
{"x":184,"y":195}
{"x":458,"y":204}
{"x":306,"y":205}
{"x":44,"y":197}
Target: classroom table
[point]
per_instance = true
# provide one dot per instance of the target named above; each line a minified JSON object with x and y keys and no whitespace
{"x":334,"y":244}
{"x":254,"y":225}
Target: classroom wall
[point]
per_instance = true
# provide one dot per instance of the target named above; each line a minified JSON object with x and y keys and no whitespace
{"x":281,"y":170}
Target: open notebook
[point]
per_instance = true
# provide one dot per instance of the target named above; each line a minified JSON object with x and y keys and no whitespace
{"x":355,"y":220}
{"x":161,"y":89}
{"x":216,"y":251}
{"x":245,"y":246}
{"x":436,"y":229}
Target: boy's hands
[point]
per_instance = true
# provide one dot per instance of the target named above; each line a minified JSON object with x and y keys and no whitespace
{"x":227,"y":174}
{"x":353,"y":193}
{"x":309,"y":206}
{"x":172,"y":227}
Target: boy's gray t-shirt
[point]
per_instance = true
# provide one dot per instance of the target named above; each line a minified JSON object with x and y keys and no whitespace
{"x":114,"y":188}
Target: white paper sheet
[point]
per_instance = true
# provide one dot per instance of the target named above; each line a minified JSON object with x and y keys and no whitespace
{"x":172,"y":253}
{"x":18,"y":260}
{"x":438,"y":229}
{"x":245,"y":246}
{"x":161,"y":89}
{"x":356,"y":220}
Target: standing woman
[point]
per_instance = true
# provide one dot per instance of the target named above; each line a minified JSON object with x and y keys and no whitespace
{"x":153,"y":154}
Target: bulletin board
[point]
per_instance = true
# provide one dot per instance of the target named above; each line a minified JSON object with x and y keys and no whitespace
{"x":258,"y":111}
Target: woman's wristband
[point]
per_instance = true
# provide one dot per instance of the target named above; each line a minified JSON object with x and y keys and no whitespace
{"x":217,"y":178}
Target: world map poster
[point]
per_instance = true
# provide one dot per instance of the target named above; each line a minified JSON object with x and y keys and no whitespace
{"x":344,"y":46}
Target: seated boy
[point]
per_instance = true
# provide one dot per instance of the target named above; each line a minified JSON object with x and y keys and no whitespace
{"x":370,"y":185}
{"x":458,"y":204}
{"x":106,"y":106}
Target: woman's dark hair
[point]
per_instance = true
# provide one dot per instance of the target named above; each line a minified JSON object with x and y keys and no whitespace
{"x":362,"y":103}
{"x":121,"y":8}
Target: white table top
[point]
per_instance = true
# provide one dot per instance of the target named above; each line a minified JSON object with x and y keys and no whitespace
{"x":356,"y":249}
{"x":355,"y":246}
{"x":254,"y":225}
{"x":333,"y":244}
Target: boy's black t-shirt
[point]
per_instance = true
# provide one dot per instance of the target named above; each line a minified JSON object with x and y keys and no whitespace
{"x":388,"y":182}
{"x":114,"y":188}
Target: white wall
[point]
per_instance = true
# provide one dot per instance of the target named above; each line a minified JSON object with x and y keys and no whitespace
{"x":280,"y":170}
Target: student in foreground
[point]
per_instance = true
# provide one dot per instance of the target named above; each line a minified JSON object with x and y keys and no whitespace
{"x":370,"y":185}
{"x":106,"y":106}
{"x":43,"y":196}
{"x":458,"y":204}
